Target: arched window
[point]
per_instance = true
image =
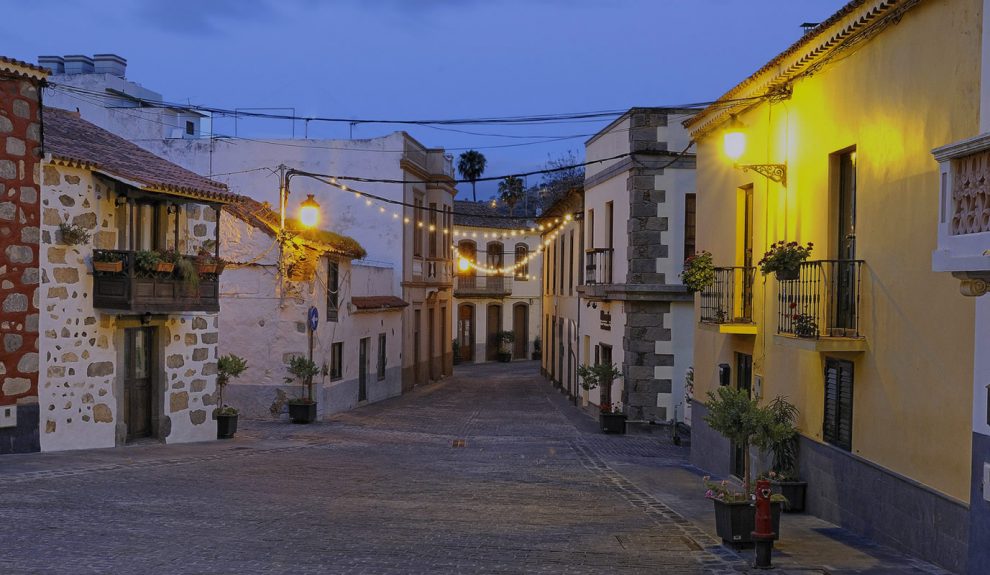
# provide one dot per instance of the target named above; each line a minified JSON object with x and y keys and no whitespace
{"x":496,"y":255}
{"x":522,"y":269}
{"x":469,"y":251}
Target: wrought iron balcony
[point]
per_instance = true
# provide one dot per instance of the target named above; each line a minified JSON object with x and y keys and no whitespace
{"x":729,"y":298}
{"x":824,"y":301}
{"x":598,"y":266}
{"x":133,"y":290}
{"x":497,"y":286}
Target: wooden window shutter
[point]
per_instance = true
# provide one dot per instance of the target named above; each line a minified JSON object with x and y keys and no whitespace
{"x":837,"y":425}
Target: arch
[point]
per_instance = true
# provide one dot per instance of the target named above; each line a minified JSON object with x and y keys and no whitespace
{"x":496,"y":255}
{"x":467,"y":249}
{"x":522,"y":252}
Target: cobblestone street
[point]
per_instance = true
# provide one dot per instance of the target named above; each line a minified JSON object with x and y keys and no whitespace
{"x":535,"y":489}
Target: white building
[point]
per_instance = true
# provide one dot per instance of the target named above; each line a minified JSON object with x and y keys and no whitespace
{"x":488,"y":300}
{"x":409,"y":206}
{"x":638,"y":222}
{"x":357,"y":339}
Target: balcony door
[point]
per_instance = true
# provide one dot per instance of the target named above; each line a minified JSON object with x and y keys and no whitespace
{"x":138,"y":382}
{"x":845,"y":276}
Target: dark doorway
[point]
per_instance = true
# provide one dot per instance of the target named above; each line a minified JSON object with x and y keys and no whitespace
{"x":494,"y":326}
{"x":465,"y":332}
{"x":416,"y":337}
{"x":605,"y":357}
{"x":520,"y":327}
{"x":139,"y":381}
{"x":744,"y":380}
{"x":845,"y":275}
{"x":365,"y":343}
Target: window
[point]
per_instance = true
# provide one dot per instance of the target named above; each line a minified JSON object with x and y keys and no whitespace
{"x":690,"y":209}
{"x":837,"y":427}
{"x":522,"y":269}
{"x":337,"y":361}
{"x":333,"y":290}
{"x":382,"y":356}
{"x":433,"y":230}
{"x":495,"y":259}
{"x":190,"y":128}
{"x":418,"y":226}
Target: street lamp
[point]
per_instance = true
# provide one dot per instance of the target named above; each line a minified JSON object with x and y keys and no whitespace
{"x":309,"y":212}
{"x":463,"y":264}
{"x":734,"y":145}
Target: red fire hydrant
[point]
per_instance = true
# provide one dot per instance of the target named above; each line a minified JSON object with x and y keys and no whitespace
{"x":764,"y":534}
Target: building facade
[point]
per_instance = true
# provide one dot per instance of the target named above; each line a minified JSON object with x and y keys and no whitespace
{"x":499,"y":288}
{"x":869,"y":344}
{"x":638,"y":229}
{"x":357,"y":341}
{"x":20,"y":221}
{"x":129,"y":350}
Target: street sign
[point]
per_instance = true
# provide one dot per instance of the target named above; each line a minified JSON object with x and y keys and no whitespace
{"x":313,"y":317}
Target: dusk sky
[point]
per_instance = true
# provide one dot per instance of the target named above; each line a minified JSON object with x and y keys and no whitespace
{"x":426,"y":59}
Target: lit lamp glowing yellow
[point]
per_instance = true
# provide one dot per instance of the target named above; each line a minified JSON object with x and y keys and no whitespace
{"x":463,"y":264}
{"x":734,"y":142}
{"x":309,"y":212}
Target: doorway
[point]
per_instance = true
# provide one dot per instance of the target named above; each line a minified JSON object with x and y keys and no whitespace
{"x":465,"y":332}
{"x":520,"y":326}
{"x":139,"y":382}
{"x":845,"y":275}
{"x":494,"y":326}
{"x":747,"y":252}
{"x":605,"y":358}
{"x":363,"y":346}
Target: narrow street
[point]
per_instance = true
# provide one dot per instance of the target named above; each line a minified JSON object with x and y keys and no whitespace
{"x":536,"y":488}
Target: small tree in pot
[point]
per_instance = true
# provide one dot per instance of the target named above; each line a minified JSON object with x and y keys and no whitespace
{"x":302,"y":409}
{"x":228,"y":366}
{"x":780,"y":439}
{"x":505,"y":340}
{"x":602,"y":374}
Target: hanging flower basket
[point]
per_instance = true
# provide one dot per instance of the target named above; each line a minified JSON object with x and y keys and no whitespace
{"x":788,"y":274}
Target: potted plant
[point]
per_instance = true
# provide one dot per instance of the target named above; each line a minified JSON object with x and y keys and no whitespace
{"x":455,"y":347}
{"x":784,"y":259}
{"x":107,"y":261}
{"x":302,"y":409}
{"x":602,"y":374}
{"x":611,"y":418}
{"x":228,"y":366}
{"x":72,"y":234}
{"x":699,"y":271}
{"x":207,"y":263}
{"x":505,"y":339}
{"x":739,"y":418}
{"x":167,"y":259}
{"x":781,"y":440}
{"x":186,"y":269}
{"x":148,"y":261}
{"x":735,"y":515}
{"x":804,"y":325}
{"x":537,"y":348}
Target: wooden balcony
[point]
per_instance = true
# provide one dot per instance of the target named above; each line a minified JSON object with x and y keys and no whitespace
{"x":475,"y":286}
{"x":133,"y":291}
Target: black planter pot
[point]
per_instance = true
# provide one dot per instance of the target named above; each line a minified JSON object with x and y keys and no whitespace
{"x":788,"y":275}
{"x":302,"y":412}
{"x":504,"y":357}
{"x":735,"y":522}
{"x":612,"y":422}
{"x":226,"y":426}
{"x":794,"y":492}
{"x":536,"y":355}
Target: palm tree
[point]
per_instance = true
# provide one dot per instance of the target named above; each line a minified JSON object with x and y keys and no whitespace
{"x":510,"y":191}
{"x":471,"y":164}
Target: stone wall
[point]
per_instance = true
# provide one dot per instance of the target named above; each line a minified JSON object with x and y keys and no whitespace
{"x":82,"y":390}
{"x":20,"y":138}
{"x":647,"y":371}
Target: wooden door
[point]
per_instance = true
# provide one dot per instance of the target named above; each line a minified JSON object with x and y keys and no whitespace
{"x":494,"y":326}
{"x":138,"y":381}
{"x":363,"y":369}
{"x":465,"y":331}
{"x":520,"y":328}
{"x":845,"y":275}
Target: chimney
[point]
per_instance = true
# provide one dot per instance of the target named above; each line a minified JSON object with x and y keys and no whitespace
{"x":110,"y":64}
{"x":54,"y":63}
{"x":78,"y":64}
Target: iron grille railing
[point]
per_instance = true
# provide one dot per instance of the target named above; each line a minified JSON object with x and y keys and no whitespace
{"x":729,"y":298}
{"x":824,"y":301}
{"x":482,"y":285}
{"x":598,"y":266}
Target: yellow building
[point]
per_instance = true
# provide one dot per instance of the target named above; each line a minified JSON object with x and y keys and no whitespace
{"x":833,"y":143}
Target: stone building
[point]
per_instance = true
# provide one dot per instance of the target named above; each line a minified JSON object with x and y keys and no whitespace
{"x":401,"y":217}
{"x":130,"y":352}
{"x":638,"y":220}
{"x":20,"y":218}
{"x":264,"y":319}
{"x":487,"y":301}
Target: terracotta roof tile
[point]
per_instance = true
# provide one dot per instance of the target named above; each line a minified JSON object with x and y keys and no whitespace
{"x":265,"y":219}
{"x":375,"y":302}
{"x":19,"y":68}
{"x":72,"y":140}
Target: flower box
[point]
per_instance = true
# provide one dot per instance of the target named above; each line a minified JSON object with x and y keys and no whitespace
{"x":164,"y":267}
{"x":613,"y":422}
{"x":108,"y":267}
{"x":788,"y":274}
{"x":302,"y":412}
{"x":206,"y":268}
{"x":794,"y":491}
{"x":736,"y":521}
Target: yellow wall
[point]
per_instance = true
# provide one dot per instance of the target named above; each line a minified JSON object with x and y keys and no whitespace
{"x":895,"y":98}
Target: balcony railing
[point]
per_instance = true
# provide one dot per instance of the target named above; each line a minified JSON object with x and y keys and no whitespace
{"x":135,"y":291}
{"x":482,"y":286}
{"x":598,"y":266}
{"x":823,"y":302}
{"x":729,"y":298}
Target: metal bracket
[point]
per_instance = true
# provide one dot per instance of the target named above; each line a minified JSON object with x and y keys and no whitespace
{"x":774,"y":172}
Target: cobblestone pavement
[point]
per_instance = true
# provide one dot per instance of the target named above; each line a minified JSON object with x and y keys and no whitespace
{"x":382,"y":489}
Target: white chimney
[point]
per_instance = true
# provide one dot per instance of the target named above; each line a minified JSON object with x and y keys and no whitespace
{"x":110,"y":64}
{"x":78,"y":64}
{"x":54,"y":63}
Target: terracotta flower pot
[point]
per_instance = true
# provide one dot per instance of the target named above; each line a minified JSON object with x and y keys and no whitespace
{"x":109,"y":267}
{"x":164,"y":267}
